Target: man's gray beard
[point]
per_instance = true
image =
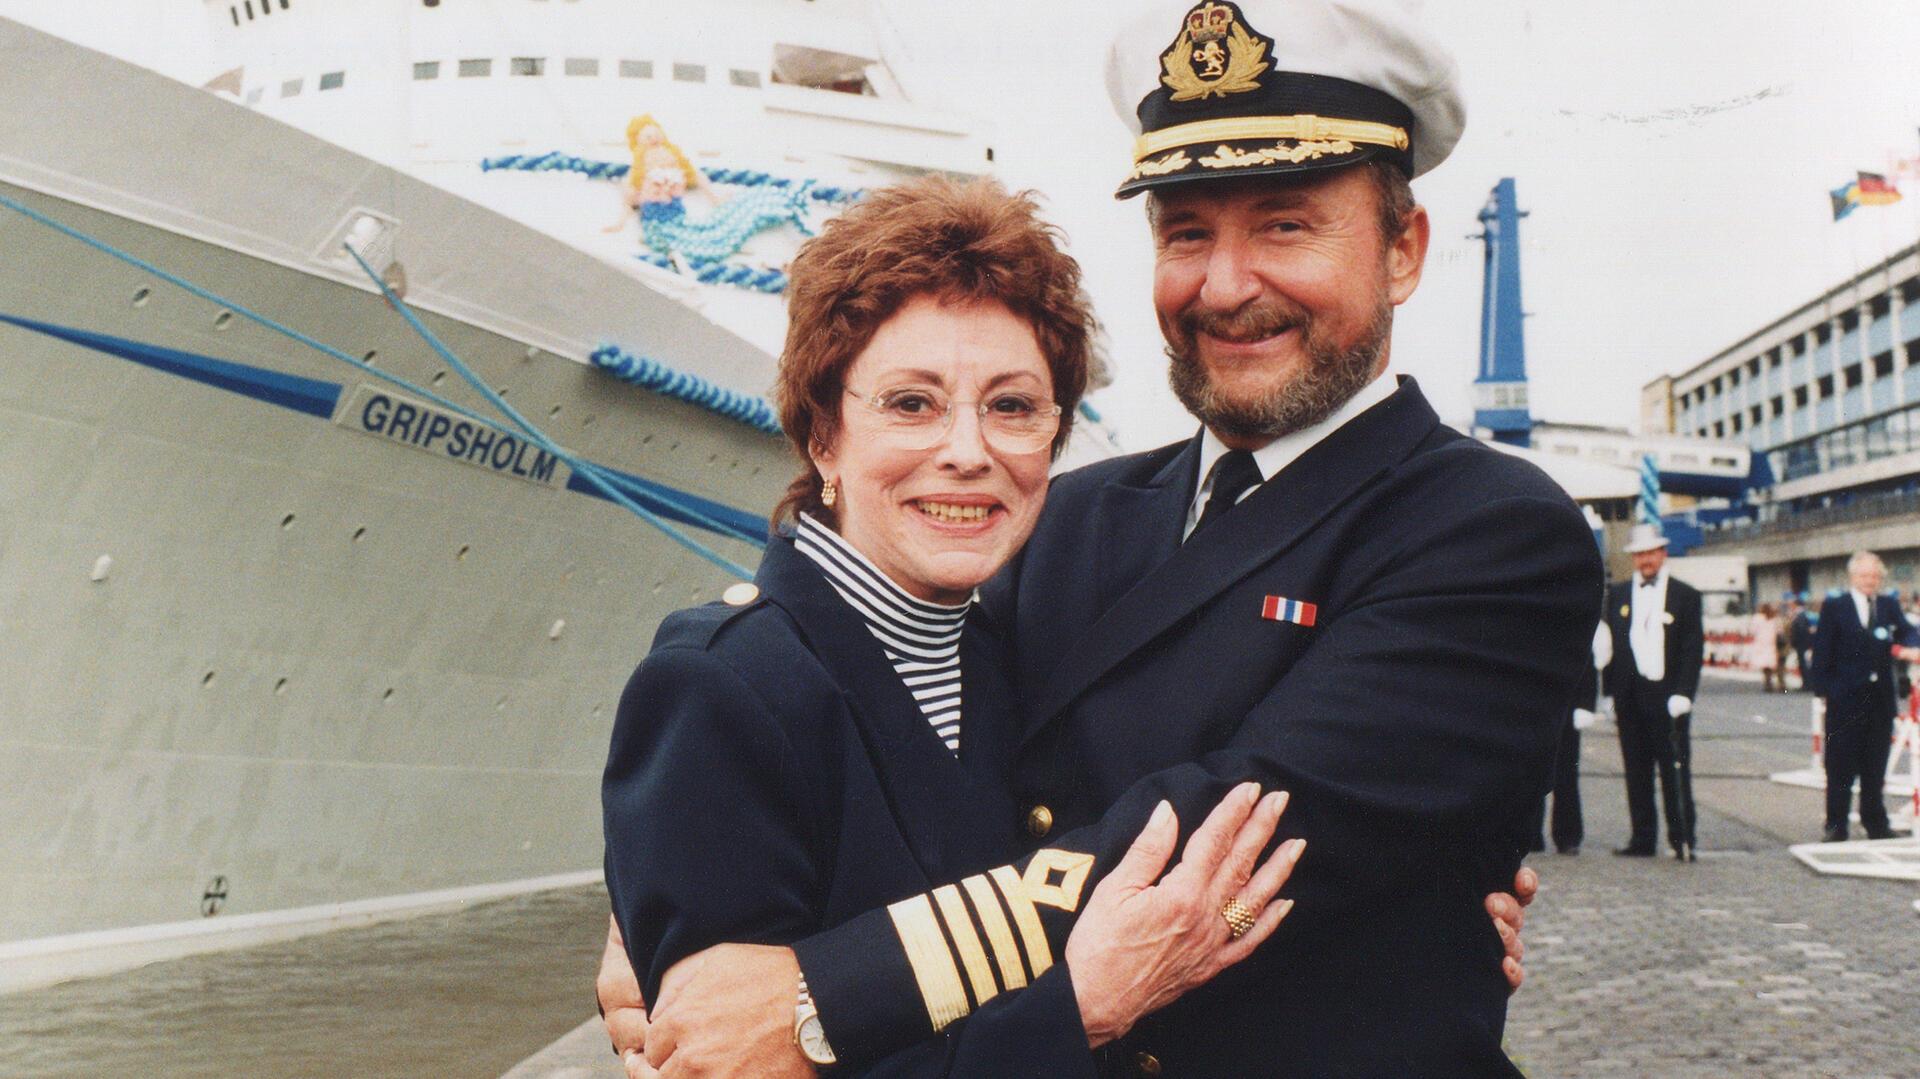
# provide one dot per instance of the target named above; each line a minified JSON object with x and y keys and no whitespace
{"x":1331,"y":378}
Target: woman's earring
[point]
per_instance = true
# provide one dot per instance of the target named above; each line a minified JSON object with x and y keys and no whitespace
{"x":829,"y":493}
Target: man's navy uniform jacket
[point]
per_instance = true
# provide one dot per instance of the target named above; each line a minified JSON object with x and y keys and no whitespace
{"x":1412,"y":714}
{"x":770,"y":776}
{"x":1853,"y":664}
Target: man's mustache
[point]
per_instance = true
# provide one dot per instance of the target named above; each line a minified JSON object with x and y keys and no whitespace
{"x":1249,"y":322}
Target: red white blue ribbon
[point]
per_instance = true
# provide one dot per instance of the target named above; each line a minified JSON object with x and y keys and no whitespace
{"x":1282,"y":609}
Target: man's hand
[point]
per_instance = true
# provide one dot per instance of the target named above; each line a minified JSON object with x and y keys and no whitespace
{"x":1509,"y":913}
{"x":728,"y":1011}
{"x":622,"y":1006}
{"x":1679,"y":705}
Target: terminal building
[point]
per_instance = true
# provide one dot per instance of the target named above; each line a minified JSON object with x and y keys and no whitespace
{"x":1827,"y":399}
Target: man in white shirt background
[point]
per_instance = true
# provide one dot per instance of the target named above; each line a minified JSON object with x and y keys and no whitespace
{"x":1655,"y":674}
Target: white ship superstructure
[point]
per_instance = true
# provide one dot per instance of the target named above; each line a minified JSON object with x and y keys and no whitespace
{"x":270,"y":649}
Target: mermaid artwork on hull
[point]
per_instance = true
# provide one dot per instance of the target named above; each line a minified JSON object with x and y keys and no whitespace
{"x":658,"y":185}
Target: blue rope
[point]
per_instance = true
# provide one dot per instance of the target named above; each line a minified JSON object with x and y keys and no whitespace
{"x":554,"y":161}
{"x":585,"y":468}
{"x":651,"y":374}
{"x":719,"y":272}
{"x":592,"y":472}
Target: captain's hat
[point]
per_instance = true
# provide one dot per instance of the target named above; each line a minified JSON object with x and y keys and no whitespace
{"x":1644,"y":538}
{"x":1276,"y":86}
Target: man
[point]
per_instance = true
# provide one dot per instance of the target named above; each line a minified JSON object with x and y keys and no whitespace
{"x":1653,"y":680}
{"x":1861,"y":632}
{"x":1569,"y":827}
{"x":1325,"y":591}
{"x":1800,"y":628}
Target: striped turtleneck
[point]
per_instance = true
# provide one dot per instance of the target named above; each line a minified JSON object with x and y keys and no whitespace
{"x":921,"y":639}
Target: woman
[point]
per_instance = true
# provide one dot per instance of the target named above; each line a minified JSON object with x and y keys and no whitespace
{"x":835,"y":737}
{"x":1763,"y":651}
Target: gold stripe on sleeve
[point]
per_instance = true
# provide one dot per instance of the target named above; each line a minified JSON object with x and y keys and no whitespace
{"x":932,"y":963}
{"x":1013,"y":974}
{"x":1032,"y":933}
{"x":967,"y":942}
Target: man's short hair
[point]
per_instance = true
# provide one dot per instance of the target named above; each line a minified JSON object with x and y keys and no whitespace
{"x":1862,"y":559}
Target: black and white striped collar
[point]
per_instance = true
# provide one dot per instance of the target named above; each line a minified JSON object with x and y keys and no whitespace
{"x":869,"y":590}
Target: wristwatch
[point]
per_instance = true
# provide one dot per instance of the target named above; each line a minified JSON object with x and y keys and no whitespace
{"x":807,"y":1032}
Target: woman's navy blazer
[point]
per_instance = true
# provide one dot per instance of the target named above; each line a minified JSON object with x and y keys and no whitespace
{"x":770,"y":776}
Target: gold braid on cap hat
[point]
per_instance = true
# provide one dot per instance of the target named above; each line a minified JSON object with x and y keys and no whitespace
{"x":1233,"y":129}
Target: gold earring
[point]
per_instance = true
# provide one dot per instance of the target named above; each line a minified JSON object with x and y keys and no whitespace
{"x":829,"y":493}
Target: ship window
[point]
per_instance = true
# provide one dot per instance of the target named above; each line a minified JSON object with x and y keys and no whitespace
{"x":253,"y":95}
{"x":689,"y":73}
{"x":582,"y":65}
{"x":821,"y":69}
{"x":284,"y":3}
{"x":247,"y":5}
{"x":1726,"y":462}
{"x":1777,"y":407}
{"x":1826,"y":386}
{"x":1883,"y":365}
{"x":333,"y":80}
{"x":235,"y":12}
{"x":430,"y":3}
{"x":1852,"y":374}
{"x":1799,"y":397}
{"x":748,"y":79}
{"x":426,"y":69}
{"x":636,"y":69}
{"x":290,"y":88}
{"x":527,"y":65}
{"x":475,"y":69}
{"x":266,"y":8}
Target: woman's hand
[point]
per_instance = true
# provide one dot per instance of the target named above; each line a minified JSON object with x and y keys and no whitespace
{"x":1509,"y":914}
{"x":1139,"y":946}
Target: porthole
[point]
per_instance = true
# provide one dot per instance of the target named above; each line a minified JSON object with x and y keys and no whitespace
{"x":461,"y":554}
{"x":280,"y":688}
{"x":372,"y":355}
{"x":287,"y":521}
{"x":439,"y":377}
{"x":552,"y":412}
{"x":360,"y":533}
{"x":222,"y":320}
{"x":388,"y":695}
{"x":141,"y":296}
{"x":206,"y":679}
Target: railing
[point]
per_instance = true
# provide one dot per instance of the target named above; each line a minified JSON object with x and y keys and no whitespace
{"x":1861,"y":508}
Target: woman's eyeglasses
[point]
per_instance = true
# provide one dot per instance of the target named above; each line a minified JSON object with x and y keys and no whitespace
{"x":918,"y":418}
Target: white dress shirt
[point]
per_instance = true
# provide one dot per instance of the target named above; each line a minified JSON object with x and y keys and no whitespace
{"x":1647,"y":633}
{"x":1862,"y":606}
{"x":1284,"y":450}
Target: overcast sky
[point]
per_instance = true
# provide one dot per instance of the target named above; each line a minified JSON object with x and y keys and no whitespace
{"x":1675,"y":159}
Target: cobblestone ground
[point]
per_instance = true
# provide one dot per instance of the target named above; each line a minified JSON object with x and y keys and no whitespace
{"x":1745,"y":963}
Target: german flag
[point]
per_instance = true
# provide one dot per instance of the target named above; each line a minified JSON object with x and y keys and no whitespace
{"x":1876,"y":190}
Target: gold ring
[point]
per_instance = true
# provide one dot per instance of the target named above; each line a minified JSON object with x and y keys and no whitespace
{"x":1239,"y":916}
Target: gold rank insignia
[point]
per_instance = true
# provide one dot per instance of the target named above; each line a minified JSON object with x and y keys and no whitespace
{"x":992,"y":931}
{"x":1216,"y":54}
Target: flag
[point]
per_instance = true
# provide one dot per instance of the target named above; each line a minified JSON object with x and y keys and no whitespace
{"x":1876,"y":190}
{"x":1845,"y":198}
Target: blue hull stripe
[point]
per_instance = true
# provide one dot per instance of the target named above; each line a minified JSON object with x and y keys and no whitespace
{"x":317,"y":398}
{"x":311,"y":396}
{"x":745,"y":526}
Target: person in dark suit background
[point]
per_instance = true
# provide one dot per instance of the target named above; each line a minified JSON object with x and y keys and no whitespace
{"x":1800,"y":627}
{"x":1568,"y":826}
{"x":1325,"y":590}
{"x":1659,"y":645}
{"x":1853,"y":672}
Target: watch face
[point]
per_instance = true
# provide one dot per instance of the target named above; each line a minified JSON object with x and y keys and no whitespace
{"x":813,"y":1041}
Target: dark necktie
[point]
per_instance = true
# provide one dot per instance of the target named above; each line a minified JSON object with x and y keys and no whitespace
{"x":1233,"y":474}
